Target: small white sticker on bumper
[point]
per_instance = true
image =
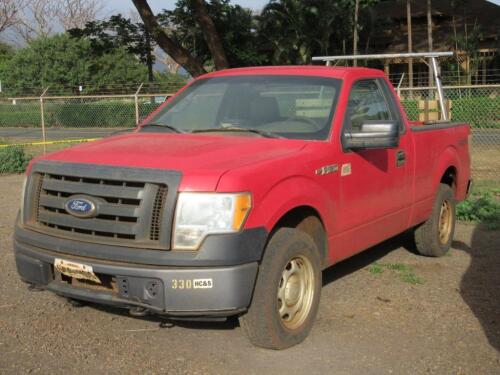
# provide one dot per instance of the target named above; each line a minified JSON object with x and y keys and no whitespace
{"x":202,"y":283}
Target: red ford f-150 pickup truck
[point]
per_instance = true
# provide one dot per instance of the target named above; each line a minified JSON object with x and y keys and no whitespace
{"x":236,"y":193}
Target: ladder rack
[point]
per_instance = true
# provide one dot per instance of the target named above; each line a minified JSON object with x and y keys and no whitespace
{"x":432,"y":56}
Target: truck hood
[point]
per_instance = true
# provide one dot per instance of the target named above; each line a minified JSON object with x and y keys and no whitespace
{"x":202,"y":159}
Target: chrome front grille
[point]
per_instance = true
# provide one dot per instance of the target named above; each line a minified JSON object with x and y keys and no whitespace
{"x":130,"y":212}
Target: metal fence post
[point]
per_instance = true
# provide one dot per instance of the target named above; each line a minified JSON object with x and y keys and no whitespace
{"x":136,"y":100}
{"x":42,"y":113}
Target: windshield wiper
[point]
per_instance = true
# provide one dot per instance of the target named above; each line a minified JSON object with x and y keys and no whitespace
{"x":262,"y":133}
{"x":162,"y":125}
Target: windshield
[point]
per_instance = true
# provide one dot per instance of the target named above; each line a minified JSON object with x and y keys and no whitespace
{"x":295,"y":107}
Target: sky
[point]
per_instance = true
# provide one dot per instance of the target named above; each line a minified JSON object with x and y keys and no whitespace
{"x":124,"y":6}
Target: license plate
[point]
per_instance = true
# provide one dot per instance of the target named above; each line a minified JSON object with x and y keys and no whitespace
{"x":77,"y":270}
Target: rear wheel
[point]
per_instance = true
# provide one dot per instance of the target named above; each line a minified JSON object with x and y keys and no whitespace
{"x":434,"y":237}
{"x":287,"y":292}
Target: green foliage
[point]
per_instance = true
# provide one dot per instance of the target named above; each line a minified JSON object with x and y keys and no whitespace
{"x":117,"y":33}
{"x":175,"y":81}
{"x":483,"y":206}
{"x":20,"y":115}
{"x":62,"y":60}
{"x":235,"y":25}
{"x":13,"y":160}
{"x":296,"y":30}
{"x":6,"y":53}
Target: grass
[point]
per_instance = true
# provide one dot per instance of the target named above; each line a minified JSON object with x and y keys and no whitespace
{"x":13,"y":160}
{"x":482,"y":206}
{"x":404,"y":271}
{"x":375,"y":268}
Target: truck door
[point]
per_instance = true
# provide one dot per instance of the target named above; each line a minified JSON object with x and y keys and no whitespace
{"x":375,"y":184}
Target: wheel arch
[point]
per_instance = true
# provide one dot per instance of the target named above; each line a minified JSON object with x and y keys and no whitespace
{"x":447,"y":170}
{"x":308,"y":220}
{"x":298,"y":202}
{"x":449,"y":178}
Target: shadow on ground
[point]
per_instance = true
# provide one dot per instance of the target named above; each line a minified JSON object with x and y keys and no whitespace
{"x":336,"y":272}
{"x":367,"y":257}
{"x":480,"y":285}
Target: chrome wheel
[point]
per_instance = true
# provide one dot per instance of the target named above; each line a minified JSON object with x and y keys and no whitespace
{"x":296,"y":292}
{"x":445,"y":222}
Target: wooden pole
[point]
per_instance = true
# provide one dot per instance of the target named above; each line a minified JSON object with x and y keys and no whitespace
{"x":429,"y":36}
{"x":136,"y":101}
{"x":42,"y":114}
{"x":410,"y":43}
{"x":355,"y":36}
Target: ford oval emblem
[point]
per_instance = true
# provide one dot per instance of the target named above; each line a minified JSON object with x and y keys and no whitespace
{"x":81,"y":207}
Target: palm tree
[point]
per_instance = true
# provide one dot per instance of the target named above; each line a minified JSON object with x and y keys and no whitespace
{"x":283,"y":23}
{"x":298,"y":28}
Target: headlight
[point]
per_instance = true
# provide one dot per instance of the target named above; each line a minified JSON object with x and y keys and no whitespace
{"x":200,"y":214}
{"x":23,"y":191}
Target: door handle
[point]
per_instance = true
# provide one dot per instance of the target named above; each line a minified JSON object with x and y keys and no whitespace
{"x":400,"y":158}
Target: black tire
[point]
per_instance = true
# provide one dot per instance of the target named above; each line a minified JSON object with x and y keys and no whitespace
{"x":263,"y":323}
{"x":430,"y":239}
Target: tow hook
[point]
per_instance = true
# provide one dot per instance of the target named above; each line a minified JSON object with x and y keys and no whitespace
{"x":138,"y":311}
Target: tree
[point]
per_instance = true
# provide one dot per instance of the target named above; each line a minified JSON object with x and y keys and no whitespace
{"x":6,"y":53}
{"x":76,"y":13}
{"x":235,"y":24}
{"x":36,"y":19}
{"x":39,"y":18}
{"x":165,"y":42}
{"x":210,"y":33}
{"x":295,"y":30}
{"x":119,"y":32}
{"x":62,"y":60}
{"x":9,"y":13}
{"x":299,"y":29}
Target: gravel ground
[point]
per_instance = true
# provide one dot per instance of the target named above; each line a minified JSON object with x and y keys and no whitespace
{"x":372,"y":320}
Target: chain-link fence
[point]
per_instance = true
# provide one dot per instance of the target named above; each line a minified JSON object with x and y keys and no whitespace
{"x":48,"y":122}
{"x":478,"y":106}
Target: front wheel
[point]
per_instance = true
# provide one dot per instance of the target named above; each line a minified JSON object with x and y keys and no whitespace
{"x":287,"y":292}
{"x":433,"y":238}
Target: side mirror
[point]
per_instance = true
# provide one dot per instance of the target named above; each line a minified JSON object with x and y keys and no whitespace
{"x":373,"y":135}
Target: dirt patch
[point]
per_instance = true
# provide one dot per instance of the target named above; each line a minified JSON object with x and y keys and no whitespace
{"x":368,"y":322}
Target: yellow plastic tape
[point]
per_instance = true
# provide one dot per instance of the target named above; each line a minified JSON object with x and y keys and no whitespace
{"x":50,"y":142}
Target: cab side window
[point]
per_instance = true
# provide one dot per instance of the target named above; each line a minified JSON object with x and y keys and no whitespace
{"x":367,"y":102}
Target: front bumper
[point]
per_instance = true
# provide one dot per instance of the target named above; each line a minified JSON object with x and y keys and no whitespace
{"x":159,"y":289}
